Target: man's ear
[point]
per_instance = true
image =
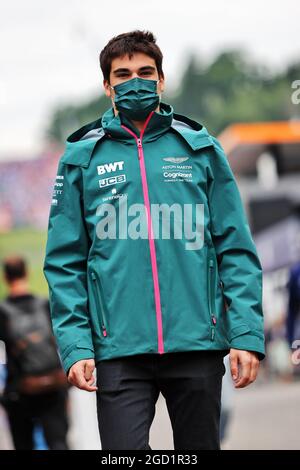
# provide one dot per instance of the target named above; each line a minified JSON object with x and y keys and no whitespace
{"x":162,"y":84}
{"x":107,"y":88}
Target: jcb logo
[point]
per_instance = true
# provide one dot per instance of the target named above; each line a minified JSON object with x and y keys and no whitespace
{"x":109,"y":167}
{"x":112,"y":180}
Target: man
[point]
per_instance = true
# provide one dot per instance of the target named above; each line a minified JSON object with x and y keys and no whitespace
{"x":156,"y":308}
{"x":30,"y":396}
{"x":293,"y":310}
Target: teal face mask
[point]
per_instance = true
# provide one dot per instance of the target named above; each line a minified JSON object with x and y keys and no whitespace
{"x":136,"y":97}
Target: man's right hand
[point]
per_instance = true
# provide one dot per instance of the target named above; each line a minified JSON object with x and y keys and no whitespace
{"x":81,"y":375}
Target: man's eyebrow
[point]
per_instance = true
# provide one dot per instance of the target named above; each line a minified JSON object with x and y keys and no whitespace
{"x":145,"y":67}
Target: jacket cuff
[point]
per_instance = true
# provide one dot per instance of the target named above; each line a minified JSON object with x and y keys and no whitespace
{"x":76,"y":354}
{"x":250,"y":342}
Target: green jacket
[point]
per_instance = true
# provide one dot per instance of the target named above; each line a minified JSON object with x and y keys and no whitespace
{"x":122,"y":279}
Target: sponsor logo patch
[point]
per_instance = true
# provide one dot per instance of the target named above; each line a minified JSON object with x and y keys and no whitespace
{"x":110,"y":167}
{"x":176,"y":159}
{"x":112,"y":180}
{"x":58,"y":189}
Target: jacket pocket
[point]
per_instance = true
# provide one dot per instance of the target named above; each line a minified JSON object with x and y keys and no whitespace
{"x":211,"y":273}
{"x":97,"y":288}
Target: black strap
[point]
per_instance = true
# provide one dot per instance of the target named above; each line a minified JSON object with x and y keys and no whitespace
{"x":12,"y":309}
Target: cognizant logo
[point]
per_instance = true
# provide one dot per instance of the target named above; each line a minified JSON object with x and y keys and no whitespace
{"x":177,"y":175}
{"x":165,"y":221}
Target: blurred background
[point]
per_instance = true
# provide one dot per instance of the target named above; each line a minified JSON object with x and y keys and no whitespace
{"x":234,"y":67}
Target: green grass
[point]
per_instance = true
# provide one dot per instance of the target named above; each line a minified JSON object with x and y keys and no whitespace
{"x":30,"y":244}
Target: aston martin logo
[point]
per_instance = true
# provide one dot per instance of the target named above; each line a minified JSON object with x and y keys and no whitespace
{"x":176,"y":159}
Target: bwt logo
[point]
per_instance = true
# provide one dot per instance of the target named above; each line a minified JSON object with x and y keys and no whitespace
{"x":109,"y":167}
{"x":112,"y":180}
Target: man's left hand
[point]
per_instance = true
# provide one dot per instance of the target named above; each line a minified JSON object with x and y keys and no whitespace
{"x":244,"y":367}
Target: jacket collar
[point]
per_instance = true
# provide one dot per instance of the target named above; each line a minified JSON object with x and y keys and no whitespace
{"x":158,"y":124}
{"x":81,"y":143}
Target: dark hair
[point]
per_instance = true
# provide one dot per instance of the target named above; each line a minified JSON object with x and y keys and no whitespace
{"x":129,"y":43}
{"x":14,"y":268}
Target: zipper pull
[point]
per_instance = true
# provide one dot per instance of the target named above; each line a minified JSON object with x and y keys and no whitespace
{"x":212,"y":333}
{"x":104,"y":331}
{"x":213,"y":319}
{"x":139,"y":144}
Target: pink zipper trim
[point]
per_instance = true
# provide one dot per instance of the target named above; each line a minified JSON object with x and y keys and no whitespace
{"x":150,"y":232}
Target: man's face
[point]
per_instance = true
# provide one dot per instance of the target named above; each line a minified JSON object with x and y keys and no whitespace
{"x":123,"y":69}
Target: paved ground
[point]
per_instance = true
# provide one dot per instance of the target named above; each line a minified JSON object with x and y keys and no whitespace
{"x":263,"y":417}
{"x":266,"y":417}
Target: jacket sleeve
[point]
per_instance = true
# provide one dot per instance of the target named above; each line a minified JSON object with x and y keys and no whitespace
{"x":239,"y":267}
{"x":65,"y":268}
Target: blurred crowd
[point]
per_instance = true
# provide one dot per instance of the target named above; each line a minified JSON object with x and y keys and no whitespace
{"x":25,"y":191}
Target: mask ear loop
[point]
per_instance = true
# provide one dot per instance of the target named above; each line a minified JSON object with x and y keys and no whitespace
{"x":157,"y":81}
{"x":112,"y":98}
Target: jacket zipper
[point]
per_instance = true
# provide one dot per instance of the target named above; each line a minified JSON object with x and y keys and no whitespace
{"x":100,"y":304}
{"x":211,"y":302}
{"x":150,"y":232}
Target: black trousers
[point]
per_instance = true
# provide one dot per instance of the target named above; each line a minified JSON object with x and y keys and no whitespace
{"x":47,"y":409}
{"x":128,"y":389}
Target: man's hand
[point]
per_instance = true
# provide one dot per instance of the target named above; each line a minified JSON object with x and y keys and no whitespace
{"x":244,"y":367}
{"x":81,"y":375}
